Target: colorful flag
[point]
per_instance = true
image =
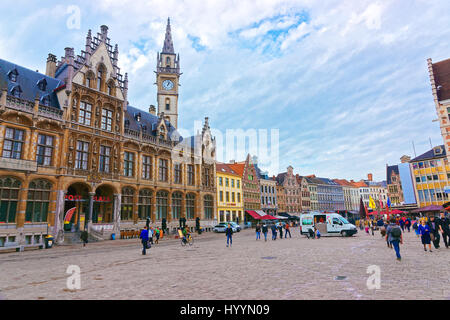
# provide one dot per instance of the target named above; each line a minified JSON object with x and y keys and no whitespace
{"x":69,"y":214}
{"x":389,"y":202}
{"x":372,"y":204}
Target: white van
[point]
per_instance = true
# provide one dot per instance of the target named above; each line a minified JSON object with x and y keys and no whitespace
{"x":328,"y":224}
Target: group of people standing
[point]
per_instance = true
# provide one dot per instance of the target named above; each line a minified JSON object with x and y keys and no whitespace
{"x":429,"y":230}
{"x":147,"y":235}
{"x":277,"y":230}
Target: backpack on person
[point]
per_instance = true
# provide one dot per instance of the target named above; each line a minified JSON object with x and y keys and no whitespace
{"x":396,"y":232}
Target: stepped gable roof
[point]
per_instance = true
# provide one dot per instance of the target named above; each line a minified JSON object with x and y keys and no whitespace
{"x":31,"y":84}
{"x":389,"y":171}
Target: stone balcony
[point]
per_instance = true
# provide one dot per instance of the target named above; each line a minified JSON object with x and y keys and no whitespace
{"x":28,"y":107}
{"x":18,"y":164}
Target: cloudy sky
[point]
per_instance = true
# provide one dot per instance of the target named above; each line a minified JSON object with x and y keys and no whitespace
{"x":345,"y":82}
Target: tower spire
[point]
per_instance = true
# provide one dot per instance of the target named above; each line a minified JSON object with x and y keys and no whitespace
{"x":168,"y":43}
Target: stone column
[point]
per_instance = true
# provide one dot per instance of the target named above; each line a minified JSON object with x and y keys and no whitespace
{"x":153,"y":217}
{"x":135,"y":207}
{"x":58,"y":229}
{"x":169,"y":209}
{"x":20,"y":218}
{"x":88,"y":219}
{"x":116,"y":213}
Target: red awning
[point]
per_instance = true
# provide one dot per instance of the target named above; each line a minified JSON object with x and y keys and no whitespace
{"x":253,"y":214}
{"x":268,"y":217}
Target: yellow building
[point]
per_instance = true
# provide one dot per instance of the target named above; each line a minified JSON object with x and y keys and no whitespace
{"x":431,"y":173}
{"x":230,"y":204}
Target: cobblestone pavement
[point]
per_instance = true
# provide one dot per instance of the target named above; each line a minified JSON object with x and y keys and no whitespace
{"x":295,"y":268}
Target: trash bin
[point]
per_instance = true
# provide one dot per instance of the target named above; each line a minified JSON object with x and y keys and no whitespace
{"x":48,"y":242}
{"x":113,"y":236}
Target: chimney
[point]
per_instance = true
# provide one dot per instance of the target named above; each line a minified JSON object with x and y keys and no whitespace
{"x":152,"y":110}
{"x":370,"y":177}
{"x":405,"y":159}
{"x":51,"y":65}
{"x":69,"y":59}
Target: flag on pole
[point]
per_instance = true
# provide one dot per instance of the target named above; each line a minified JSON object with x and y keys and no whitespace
{"x":389,"y":202}
{"x":69,"y":214}
{"x":362,"y":211}
{"x":372,"y":204}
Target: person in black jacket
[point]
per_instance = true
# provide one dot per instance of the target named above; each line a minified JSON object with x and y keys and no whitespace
{"x":229,"y":234}
{"x":434,"y":231}
{"x":274,"y":232}
{"x":265,"y":229}
{"x":444,"y":227}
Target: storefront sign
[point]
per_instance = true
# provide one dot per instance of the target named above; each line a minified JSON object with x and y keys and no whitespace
{"x":102,"y":199}
{"x":70,"y":197}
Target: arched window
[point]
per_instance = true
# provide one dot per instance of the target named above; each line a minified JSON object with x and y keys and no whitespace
{"x":101,"y":73}
{"x":90,"y":76}
{"x":38,"y":201}
{"x":110,"y":88}
{"x":168,"y":62}
{"x":209,"y":206}
{"x":126,"y":212}
{"x":145,"y":204}
{"x":167,"y":104}
{"x":161,"y":205}
{"x":190,"y":206}
{"x":176,"y":205}
{"x":9,"y":196}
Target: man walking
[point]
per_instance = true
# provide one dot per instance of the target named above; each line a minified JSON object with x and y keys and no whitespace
{"x":144,"y":240}
{"x":229,"y":234}
{"x":434,"y":232}
{"x":274,"y":232}
{"x":280,"y":227}
{"x":394,"y":236}
{"x":287,"y":230}
{"x":264,"y":231}
{"x":444,"y":227}
{"x":258,"y":232}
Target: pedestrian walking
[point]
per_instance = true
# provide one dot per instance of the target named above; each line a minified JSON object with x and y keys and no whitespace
{"x":274,"y":232}
{"x":150,"y":235}
{"x":265,"y":229}
{"x":157,"y":232}
{"x":280,"y":228}
{"x":258,"y":232}
{"x":424,"y":230}
{"x":434,"y":232}
{"x":402,"y":224}
{"x":287,"y":230}
{"x":144,"y":240}
{"x":84,"y":237}
{"x":416,"y":228}
{"x":229,"y":234}
{"x":444,"y":227}
{"x":408,"y":224}
{"x":394,"y":236}
{"x":372,"y":227}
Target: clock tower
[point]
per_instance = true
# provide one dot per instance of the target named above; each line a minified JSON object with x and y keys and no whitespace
{"x":167,"y":79}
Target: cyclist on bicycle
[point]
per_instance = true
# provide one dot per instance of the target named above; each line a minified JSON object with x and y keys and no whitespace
{"x":186,"y":234}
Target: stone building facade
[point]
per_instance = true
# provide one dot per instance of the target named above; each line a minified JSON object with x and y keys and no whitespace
{"x":250,"y":183}
{"x":71,"y":142}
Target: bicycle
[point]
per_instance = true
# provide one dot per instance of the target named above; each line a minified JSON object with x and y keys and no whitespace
{"x":189,"y":241}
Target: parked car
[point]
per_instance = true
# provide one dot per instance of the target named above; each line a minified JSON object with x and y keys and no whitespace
{"x":221,"y":227}
{"x":234,"y":225}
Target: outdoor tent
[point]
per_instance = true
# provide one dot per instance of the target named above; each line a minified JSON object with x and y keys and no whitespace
{"x":428,"y":209}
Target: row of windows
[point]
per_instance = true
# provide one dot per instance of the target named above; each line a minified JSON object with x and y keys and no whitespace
{"x":429,"y":164}
{"x":85,"y":116}
{"x":38,"y":200}
{"x":270,"y":189}
{"x":227,"y":182}
{"x":14,"y":141}
{"x":227,"y":196}
{"x":430,"y":177}
{"x":428,"y":195}
{"x":162,"y":205}
{"x":268,"y":200}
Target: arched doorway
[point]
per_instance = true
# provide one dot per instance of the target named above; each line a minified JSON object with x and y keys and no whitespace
{"x":77,"y":196}
{"x":102,"y":211}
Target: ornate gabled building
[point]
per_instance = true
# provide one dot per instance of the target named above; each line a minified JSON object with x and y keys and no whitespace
{"x":71,"y":142}
{"x":292,"y":191}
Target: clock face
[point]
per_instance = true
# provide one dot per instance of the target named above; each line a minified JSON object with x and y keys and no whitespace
{"x":167,"y":85}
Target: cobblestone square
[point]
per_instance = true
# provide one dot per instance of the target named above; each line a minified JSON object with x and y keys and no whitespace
{"x":295,"y":268}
